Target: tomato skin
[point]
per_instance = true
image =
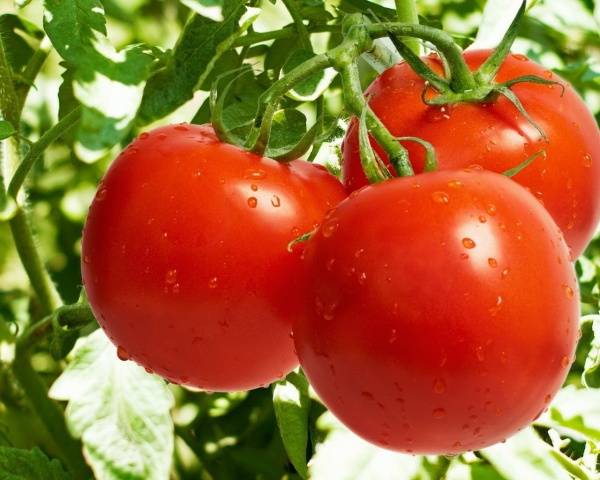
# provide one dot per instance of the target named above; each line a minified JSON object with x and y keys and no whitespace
{"x":185,"y":258}
{"x":448,"y":321}
{"x":498,"y":138}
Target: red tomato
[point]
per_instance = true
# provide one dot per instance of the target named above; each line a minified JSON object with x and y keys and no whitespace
{"x":185,"y":257}
{"x":497,"y":137}
{"x":442,"y":311}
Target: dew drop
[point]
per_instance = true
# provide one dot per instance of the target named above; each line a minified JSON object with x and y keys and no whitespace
{"x":329,"y":264}
{"x":455,"y":184}
{"x":492,"y":262}
{"x":275,"y":201}
{"x":468,"y":243}
{"x":252,"y":202}
{"x":182,"y":127}
{"x":482,"y":218}
{"x":439,"y":413}
{"x":161,"y":136}
{"x":440,"y":197}
{"x":255,"y":174}
{"x":295,"y":231}
{"x":490,"y":208}
{"x":329,"y":228}
{"x":547,"y":398}
{"x":464,"y":256}
{"x":86,"y":259}
{"x":213,"y":283}
{"x":101,"y":194}
{"x":587,"y":161}
{"x":362,"y":278}
{"x":520,"y":57}
{"x":254,"y":187}
{"x":505,"y":273}
{"x":122,"y":353}
{"x":565,"y":361}
{"x":171,"y":277}
{"x":144,"y":136}
{"x":479,"y":353}
{"x":393,"y":336}
{"x":496,"y":308}
{"x":569,"y":291}
{"x":149,"y":370}
{"x":439,"y":386}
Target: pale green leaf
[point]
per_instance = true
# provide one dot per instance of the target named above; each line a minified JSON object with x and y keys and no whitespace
{"x":344,"y":456}
{"x":120,"y":412}
{"x":292,"y":405}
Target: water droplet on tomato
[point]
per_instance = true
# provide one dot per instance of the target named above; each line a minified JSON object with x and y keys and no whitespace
{"x":547,"y":398}
{"x":122,"y":353}
{"x":503,"y":357}
{"x":254,"y":187}
{"x":393,"y":336}
{"x":213,"y":282}
{"x":362,"y":278}
{"x":492,"y":262}
{"x":175,"y":288}
{"x":569,"y":291}
{"x":587,"y":161}
{"x":359,"y":252}
{"x":520,"y":57}
{"x":464,"y":256}
{"x":455,"y":184}
{"x":161,"y":136}
{"x":144,"y":136}
{"x":479,"y":353}
{"x":497,"y":307}
{"x":101,"y":193}
{"x":439,"y":413}
{"x":439,"y":386}
{"x":440,"y":197}
{"x":149,"y":370}
{"x":468,"y":243}
{"x":252,"y":202}
{"x":171,"y":277}
{"x":505,"y":273}
{"x":548,"y":74}
{"x":255,"y":174}
{"x":329,"y":264}
{"x":329,"y":228}
{"x":565,"y":361}
{"x":182,"y":127}
{"x":490,"y":208}
{"x":275,"y":201}
{"x":482,"y":218}
{"x":86,"y":259}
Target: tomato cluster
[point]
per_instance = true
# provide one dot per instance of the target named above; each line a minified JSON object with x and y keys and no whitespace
{"x":436,"y":313}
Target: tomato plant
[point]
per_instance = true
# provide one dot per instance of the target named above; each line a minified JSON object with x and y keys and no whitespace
{"x":425,"y":359}
{"x":162,"y":198}
{"x":496,"y":136}
{"x":203,"y":300}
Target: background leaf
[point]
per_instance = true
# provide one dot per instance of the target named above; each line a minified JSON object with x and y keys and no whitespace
{"x":16,"y":464}
{"x":292,"y":406}
{"x":120,"y":412}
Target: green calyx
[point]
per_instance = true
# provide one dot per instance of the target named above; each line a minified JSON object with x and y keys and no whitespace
{"x":462,"y":85}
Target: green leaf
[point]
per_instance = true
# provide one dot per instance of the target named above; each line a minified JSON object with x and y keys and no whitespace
{"x":527,"y":456}
{"x":314,"y":86}
{"x":201,"y":43}
{"x":13,"y":31}
{"x":292,"y":405}
{"x":212,"y":9}
{"x":108,"y":83}
{"x":591,"y":373}
{"x":120,"y":412}
{"x":288,"y":127}
{"x":17,"y":464}
{"x":6,"y":129}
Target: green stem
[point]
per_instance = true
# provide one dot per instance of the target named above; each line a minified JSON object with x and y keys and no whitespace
{"x":38,"y":148}
{"x":462,"y":79}
{"x":406,"y":12}
{"x":41,"y":282}
{"x":301,"y":29}
{"x":268,"y":101}
{"x":287,"y":32}
{"x":49,"y":412}
{"x":356,"y":103}
{"x":32,"y":69}
{"x":8,"y":96}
